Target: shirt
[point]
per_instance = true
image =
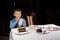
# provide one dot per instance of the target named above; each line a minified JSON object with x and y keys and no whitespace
{"x":13,"y":23}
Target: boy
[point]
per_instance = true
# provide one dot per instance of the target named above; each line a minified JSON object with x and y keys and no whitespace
{"x":14,"y":22}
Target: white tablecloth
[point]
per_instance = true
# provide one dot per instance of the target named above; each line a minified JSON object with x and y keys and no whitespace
{"x":52,"y":35}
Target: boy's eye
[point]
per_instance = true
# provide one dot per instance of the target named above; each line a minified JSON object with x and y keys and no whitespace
{"x":17,"y":13}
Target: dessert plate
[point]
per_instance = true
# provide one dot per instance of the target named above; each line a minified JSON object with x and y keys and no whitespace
{"x":42,"y":33}
{"x":54,"y":28}
{"x":22,"y":33}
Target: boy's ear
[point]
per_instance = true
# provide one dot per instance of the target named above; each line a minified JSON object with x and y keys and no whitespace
{"x":13,"y":14}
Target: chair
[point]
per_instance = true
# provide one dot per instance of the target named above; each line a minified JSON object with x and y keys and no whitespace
{"x":31,"y":19}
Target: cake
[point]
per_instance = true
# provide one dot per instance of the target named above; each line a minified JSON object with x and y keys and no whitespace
{"x":22,"y":29}
{"x":39,"y":30}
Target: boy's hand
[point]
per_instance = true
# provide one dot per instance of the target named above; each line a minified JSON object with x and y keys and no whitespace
{"x":17,"y":19}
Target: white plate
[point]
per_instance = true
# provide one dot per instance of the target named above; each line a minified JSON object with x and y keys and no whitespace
{"x":51,"y":29}
{"x":42,"y":33}
{"x":22,"y":33}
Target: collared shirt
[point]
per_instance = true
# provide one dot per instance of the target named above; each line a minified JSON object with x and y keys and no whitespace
{"x":13,"y":23}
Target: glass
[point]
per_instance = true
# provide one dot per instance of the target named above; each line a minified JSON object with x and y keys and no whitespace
{"x":20,"y":22}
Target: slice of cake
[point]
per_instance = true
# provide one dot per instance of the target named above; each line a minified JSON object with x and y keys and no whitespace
{"x":22,"y":29}
{"x":39,"y":30}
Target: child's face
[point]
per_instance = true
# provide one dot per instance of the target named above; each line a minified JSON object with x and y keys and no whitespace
{"x":17,"y":14}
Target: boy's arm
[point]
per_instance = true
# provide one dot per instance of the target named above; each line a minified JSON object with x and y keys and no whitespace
{"x":12,"y":24}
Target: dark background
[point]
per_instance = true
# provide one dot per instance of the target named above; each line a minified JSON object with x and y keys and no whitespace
{"x":47,"y":12}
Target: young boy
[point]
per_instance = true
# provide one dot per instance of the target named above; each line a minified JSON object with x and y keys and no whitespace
{"x":14,"y":22}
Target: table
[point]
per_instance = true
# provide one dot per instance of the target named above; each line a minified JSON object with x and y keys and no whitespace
{"x":52,"y":35}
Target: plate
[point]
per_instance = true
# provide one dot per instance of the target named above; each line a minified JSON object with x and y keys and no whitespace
{"x":33,"y":27}
{"x":22,"y":33}
{"x":54,"y":28}
{"x":42,"y":33}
